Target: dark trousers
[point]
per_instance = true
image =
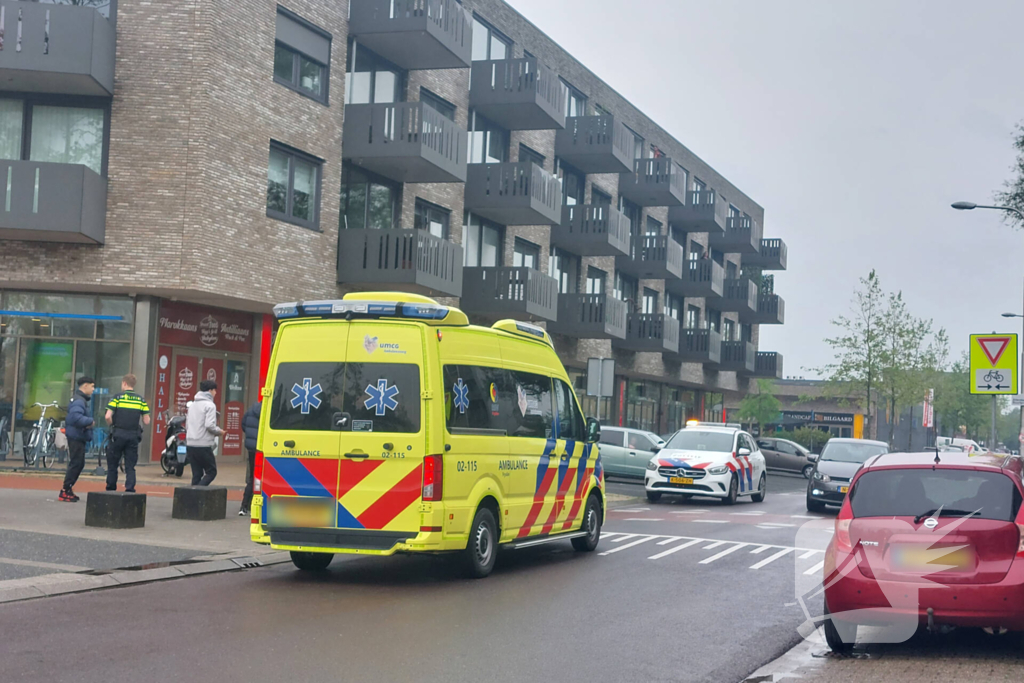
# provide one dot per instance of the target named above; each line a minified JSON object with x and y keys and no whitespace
{"x":204,"y":465}
{"x":76,"y":463}
{"x":122,"y":446}
{"x":250,"y":472}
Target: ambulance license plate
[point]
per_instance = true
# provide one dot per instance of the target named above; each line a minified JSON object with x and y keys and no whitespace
{"x":844,"y":489}
{"x":308,"y":513}
{"x":680,"y":480}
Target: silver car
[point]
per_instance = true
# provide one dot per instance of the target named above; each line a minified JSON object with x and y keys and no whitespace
{"x":783,"y":454}
{"x":625,"y":452}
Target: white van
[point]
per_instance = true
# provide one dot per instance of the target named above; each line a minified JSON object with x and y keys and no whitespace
{"x":968,"y":445}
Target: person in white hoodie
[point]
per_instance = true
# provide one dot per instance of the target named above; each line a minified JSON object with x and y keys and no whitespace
{"x":201,"y":432}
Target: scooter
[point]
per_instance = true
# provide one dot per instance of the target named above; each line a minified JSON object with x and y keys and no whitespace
{"x":175,"y":455}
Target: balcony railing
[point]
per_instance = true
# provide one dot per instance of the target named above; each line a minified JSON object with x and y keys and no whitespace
{"x":590,"y":316}
{"x":514,"y":194}
{"x":408,"y":260}
{"x":518,"y":94}
{"x":408,"y":142}
{"x":738,"y":357}
{"x":742,"y":236}
{"x":772,"y":255}
{"x":771,"y":310}
{"x":654,"y":182}
{"x":592,"y":230}
{"x":653,"y":257}
{"x":700,"y":346}
{"x":510,"y":291}
{"x":56,"y":48}
{"x":768,"y":364}
{"x":650,"y":332}
{"x":704,"y":211}
{"x":740,"y":296}
{"x":414,"y":34}
{"x":596,"y":144}
{"x":701,"y":279}
{"x":52,"y":202}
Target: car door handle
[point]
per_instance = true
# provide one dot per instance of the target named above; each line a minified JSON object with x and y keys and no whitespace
{"x":289,"y":444}
{"x":632,"y":453}
{"x":357,"y":455}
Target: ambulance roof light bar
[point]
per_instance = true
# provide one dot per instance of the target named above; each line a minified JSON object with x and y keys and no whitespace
{"x":361,"y":309}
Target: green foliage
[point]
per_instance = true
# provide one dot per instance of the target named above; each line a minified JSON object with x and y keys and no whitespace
{"x":1008,"y":428}
{"x":761,"y":408}
{"x":810,"y":438}
{"x":1013,"y":195}
{"x":958,"y":410}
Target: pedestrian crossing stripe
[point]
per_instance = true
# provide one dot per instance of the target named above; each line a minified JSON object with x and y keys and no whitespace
{"x":684,"y":542}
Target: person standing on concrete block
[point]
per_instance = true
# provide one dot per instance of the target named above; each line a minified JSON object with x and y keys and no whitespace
{"x":251,"y":427}
{"x":123,"y":414}
{"x":78,"y":426}
{"x":201,"y":432}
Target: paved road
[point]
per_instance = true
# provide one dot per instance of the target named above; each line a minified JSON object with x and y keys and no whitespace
{"x":675,"y":592}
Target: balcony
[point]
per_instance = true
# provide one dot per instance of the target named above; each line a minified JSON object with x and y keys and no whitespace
{"x":405,"y":260}
{"x":591,"y":230}
{"x":700,"y":279}
{"x":742,"y":236}
{"x":59,"y":49}
{"x":768,"y":364}
{"x":772,"y":255}
{"x":514,"y":194}
{"x":739,"y":357}
{"x":771,"y":310}
{"x":653,"y":257}
{"x":407,"y":142}
{"x":650,"y":332}
{"x":507,"y":291}
{"x":740,"y":296}
{"x":704,"y":212}
{"x":596,"y":144}
{"x":44,"y":202}
{"x":590,"y":316}
{"x":654,"y":182}
{"x":518,"y":94}
{"x":700,"y":346}
{"x":414,"y":34}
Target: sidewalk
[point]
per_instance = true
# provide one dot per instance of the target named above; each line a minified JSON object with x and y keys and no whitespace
{"x":230,"y":474}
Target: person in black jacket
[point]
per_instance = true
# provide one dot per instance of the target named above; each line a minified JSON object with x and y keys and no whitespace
{"x":251,"y":428}
{"x":78,"y":429}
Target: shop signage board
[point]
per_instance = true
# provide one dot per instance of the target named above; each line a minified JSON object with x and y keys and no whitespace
{"x":205,"y":328}
{"x":993,"y":364}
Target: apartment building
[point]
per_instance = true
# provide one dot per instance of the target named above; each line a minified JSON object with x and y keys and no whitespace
{"x":170,"y":171}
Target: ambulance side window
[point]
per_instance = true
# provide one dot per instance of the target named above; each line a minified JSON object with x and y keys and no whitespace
{"x":568,"y":421}
{"x":306,"y":396}
{"x":533,"y":416}
{"x":477,"y":398}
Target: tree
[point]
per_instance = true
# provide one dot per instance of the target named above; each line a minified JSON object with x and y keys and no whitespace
{"x":811,"y":438}
{"x":1013,"y":194}
{"x":958,"y":411}
{"x":761,"y":408}
{"x":858,"y":348}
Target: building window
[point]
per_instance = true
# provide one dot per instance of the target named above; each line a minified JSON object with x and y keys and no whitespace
{"x":596,"y":280}
{"x":714,"y":320}
{"x":731,"y":271}
{"x":525,"y":254}
{"x":599,"y":198}
{"x":601,"y":111}
{"x":696,"y":251}
{"x":632,"y":214}
{"x":563,"y":266}
{"x":575,"y":101}
{"x":373,"y":80}
{"x":626,"y":288}
{"x":367,"y":201}
{"x":573,"y":183}
{"x":12,"y":117}
{"x":728,"y":330}
{"x":733,"y":212}
{"x":673,"y":306}
{"x":653,"y":226}
{"x":638,"y":144}
{"x":488,"y":142}
{"x":432,"y":218}
{"x":57,"y":134}
{"x":440,"y":105}
{"x":302,"y":53}
{"x":650,"y":301}
{"x":488,"y":43}
{"x":698,"y":185}
{"x":746,"y":332}
{"x":482,"y":242}
{"x":692,"y":317}
{"x":530,"y":155}
{"x":293,"y":187}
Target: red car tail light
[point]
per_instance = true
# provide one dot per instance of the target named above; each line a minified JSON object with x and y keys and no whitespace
{"x":433,"y":477}
{"x":257,"y":473}
{"x":843,"y":522}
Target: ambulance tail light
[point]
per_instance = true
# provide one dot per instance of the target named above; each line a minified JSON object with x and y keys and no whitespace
{"x":433,"y":477}
{"x":843,"y":521}
{"x":257,"y":473}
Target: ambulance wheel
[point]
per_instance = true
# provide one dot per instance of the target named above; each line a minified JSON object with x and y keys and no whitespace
{"x":653,"y":496}
{"x":591,"y":525}
{"x":762,"y":488}
{"x":733,"y":492}
{"x":311,"y":562}
{"x":482,"y":549}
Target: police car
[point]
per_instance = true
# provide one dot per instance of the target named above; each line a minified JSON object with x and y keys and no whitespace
{"x":708,"y":459}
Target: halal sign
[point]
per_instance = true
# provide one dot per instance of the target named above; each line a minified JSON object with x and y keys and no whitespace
{"x":209,"y":331}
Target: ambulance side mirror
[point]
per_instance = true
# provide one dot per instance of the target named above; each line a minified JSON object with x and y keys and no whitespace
{"x":593,"y":430}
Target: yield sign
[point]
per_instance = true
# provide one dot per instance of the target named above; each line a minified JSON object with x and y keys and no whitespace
{"x":993,"y":347}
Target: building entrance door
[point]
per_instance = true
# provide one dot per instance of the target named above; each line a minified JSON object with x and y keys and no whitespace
{"x":230,"y":374}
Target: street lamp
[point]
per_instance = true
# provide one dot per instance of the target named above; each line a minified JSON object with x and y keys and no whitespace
{"x":970,"y":206}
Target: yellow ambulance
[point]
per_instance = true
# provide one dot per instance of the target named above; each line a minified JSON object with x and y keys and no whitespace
{"x":390,"y":424}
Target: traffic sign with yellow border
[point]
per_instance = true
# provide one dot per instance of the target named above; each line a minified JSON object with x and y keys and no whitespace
{"x":993,"y":364}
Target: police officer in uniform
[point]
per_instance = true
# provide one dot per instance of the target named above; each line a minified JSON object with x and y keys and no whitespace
{"x":123,"y":414}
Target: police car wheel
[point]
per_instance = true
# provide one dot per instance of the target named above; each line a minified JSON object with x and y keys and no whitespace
{"x":762,"y":488}
{"x":653,"y":496}
{"x":591,"y":525}
{"x":482,"y":550}
{"x":733,"y":492}
{"x":311,"y":562}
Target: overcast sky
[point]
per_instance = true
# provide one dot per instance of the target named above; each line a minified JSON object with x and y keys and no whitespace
{"x":853,"y":124}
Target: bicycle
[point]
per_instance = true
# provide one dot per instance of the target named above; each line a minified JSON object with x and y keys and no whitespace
{"x":994,"y":376}
{"x":41,"y":438}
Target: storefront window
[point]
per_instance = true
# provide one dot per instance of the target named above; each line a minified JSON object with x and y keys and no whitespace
{"x":44,"y":371}
{"x":107,"y":363}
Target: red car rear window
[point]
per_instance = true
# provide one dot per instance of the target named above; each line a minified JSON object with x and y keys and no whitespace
{"x":913,"y":492}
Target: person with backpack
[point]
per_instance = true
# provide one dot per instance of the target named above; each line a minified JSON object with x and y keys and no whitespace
{"x":201,"y":433}
{"x":251,"y":427}
{"x":123,"y":414}
{"x":78,"y":425}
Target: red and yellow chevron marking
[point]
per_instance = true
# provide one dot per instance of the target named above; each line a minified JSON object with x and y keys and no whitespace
{"x":379,"y":495}
{"x":556,"y":509}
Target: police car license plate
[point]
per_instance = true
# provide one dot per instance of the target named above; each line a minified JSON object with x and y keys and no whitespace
{"x":844,"y":489}
{"x":301,"y":512}
{"x":680,"y":480}
{"x":182,"y":450}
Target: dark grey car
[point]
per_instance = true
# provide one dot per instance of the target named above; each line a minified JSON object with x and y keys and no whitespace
{"x":840,"y":459}
{"x":783,"y":454}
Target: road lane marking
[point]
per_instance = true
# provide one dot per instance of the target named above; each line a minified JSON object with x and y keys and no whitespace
{"x":723,"y":553}
{"x":671,"y":539}
{"x":758,"y":551}
{"x":815,"y":569}
{"x":809,"y":553}
{"x":623,"y":537}
{"x":688,"y":512}
{"x":805,"y":517}
{"x":710,"y":521}
{"x":771,"y":558}
{"x":675,"y":549}
{"x":643,"y":519}
{"x":773,"y":525}
{"x":714,"y":545}
{"x":630,"y":545}
{"x":751,"y":514}
{"x":631,"y":510}
{"x":43,"y":565}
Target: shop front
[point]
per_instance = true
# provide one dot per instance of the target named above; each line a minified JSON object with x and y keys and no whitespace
{"x":842,"y":425}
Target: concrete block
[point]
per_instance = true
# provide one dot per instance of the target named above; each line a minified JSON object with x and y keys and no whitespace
{"x":200,"y":503}
{"x":115,"y":510}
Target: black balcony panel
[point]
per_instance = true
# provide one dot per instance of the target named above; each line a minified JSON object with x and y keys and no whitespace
{"x":406,"y":260}
{"x":771,"y":310}
{"x":414,"y":34}
{"x":700,"y":346}
{"x":59,"y":49}
{"x":590,"y":316}
{"x":739,"y":357}
{"x":653,"y":257}
{"x":704,"y":211}
{"x":48,"y":202}
{"x":512,"y":291}
{"x":514,"y":194}
{"x":772,"y":255}
{"x":700,"y":279}
{"x":740,"y":296}
{"x":654,"y":182}
{"x":408,"y":142}
{"x":742,"y":236}
{"x":596,"y":144}
{"x":650,"y":332}
{"x":768,"y":364}
{"x":592,"y":230}
{"x":518,"y":94}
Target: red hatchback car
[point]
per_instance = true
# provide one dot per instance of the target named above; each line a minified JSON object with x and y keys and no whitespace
{"x":926,"y":538}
